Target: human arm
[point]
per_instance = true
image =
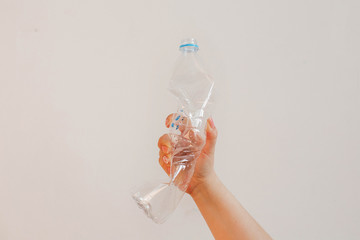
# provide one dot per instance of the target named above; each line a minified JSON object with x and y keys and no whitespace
{"x":225,"y":216}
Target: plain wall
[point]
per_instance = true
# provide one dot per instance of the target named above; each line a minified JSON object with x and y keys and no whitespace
{"x":83,"y":101}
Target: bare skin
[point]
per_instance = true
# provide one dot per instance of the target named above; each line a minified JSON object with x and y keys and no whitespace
{"x":225,"y":216}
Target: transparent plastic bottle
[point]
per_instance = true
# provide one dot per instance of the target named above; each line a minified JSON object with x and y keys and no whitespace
{"x":193,"y":87}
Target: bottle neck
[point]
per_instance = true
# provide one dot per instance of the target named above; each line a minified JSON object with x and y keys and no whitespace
{"x":189,"y":47}
{"x":189,"y":51}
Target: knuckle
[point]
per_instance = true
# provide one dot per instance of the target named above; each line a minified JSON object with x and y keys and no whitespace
{"x":215,"y":133}
{"x":212,"y":134}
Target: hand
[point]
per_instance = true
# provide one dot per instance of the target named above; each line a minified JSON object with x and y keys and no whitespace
{"x":204,"y":167}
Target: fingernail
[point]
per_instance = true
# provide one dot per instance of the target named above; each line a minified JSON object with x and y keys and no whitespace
{"x":164,"y":149}
{"x":211,"y":121}
{"x":165,"y":159}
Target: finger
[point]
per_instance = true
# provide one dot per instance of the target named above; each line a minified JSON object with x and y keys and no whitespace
{"x":165,"y":152}
{"x":164,"y":163}
{"x":185,"y":146}
{"x":169,"y":119}
{"x":196,"y":138}
{"x":165,"y":143}
{"x":165,"y":157}
{"x":178,"y":122}
{"x":211,"y":136}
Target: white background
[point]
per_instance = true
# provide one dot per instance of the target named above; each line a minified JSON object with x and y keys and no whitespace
{"x":83,"y":101}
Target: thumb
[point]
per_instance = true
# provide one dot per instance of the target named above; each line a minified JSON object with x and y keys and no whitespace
{"x":211,"y":136}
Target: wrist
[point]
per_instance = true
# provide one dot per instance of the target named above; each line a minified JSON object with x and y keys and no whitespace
{"x":205,"y":185}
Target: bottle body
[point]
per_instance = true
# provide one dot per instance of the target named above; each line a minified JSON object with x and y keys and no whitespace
{"x":193,"y":87}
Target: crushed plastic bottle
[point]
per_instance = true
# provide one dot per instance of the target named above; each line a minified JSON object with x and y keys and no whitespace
{"x":193,"y":87}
